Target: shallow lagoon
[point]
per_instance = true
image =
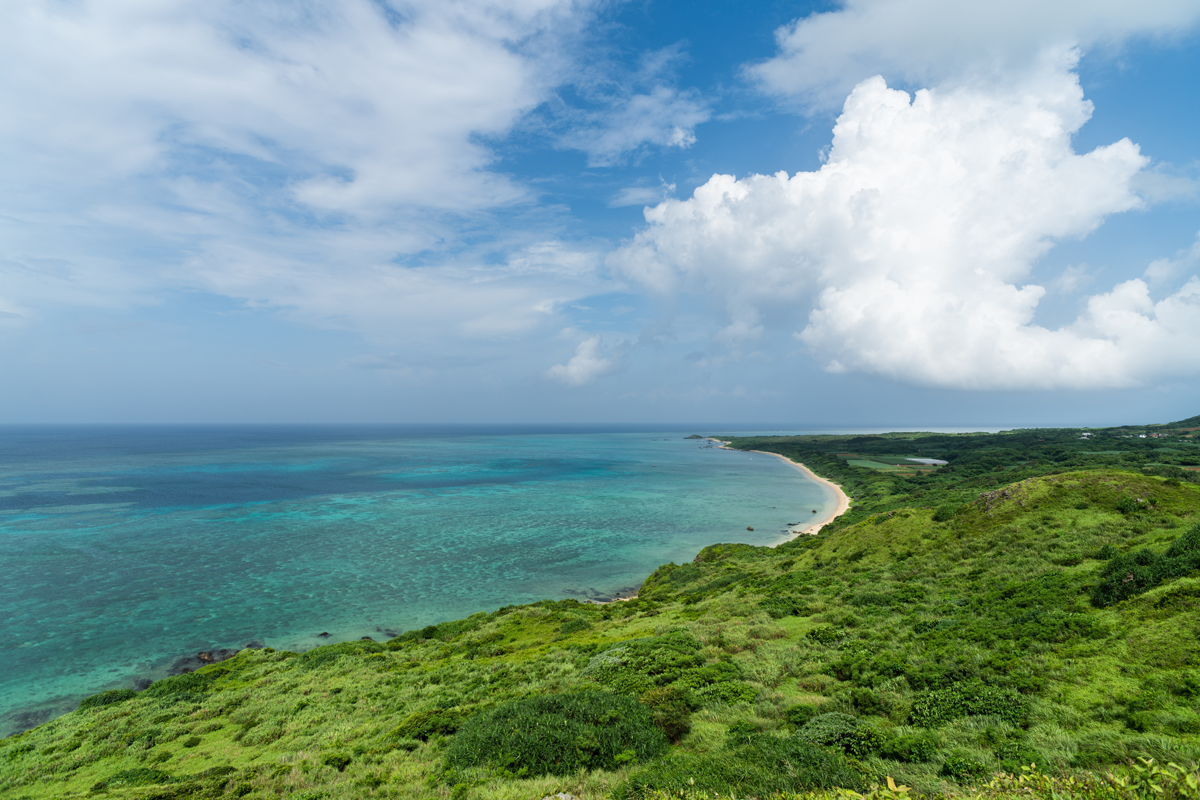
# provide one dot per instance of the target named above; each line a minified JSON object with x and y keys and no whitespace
{"x":125,"y":547}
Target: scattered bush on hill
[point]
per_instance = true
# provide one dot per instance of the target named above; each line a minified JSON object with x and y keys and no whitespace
{"x":431,"y":722}
{"x":936,"y":707}
{"x":141,"y":776}
{"x":1141,"y":570}
{"x":107,"y":698}
{"x":639,"y":665}
{"x":672,"y":709}
{"x":825,"y":634}
{"x":762,"y":766}
{"x":842,"y":732}
{"x":325,"y":655}
{"x":962,"y":768}
{"x":189,"y":687}
{"x":946,"y":512}
{"x":912,"y":748}
{"x":799,"y":715}
{"x":558,"y":735}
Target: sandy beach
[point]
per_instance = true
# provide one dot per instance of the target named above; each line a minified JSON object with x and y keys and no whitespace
{"x":809,"y":529}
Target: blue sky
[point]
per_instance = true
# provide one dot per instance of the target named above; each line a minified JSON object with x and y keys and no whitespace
{"x":879,"y":212}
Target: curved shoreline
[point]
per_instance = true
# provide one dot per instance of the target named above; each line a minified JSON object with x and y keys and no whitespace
{"x":169,"y":666}
{"x":843,"y":500}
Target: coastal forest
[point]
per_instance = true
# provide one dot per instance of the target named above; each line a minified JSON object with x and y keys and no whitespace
{"x":998,"y":615}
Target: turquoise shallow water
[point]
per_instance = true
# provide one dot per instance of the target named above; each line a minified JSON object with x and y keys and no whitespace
{"x":123,"y":548}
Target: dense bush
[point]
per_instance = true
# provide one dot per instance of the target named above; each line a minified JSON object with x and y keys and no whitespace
{"x":188,"y":687}
{"x":779,"y":606}
{"x":338,"y":761}
{"x":141,"y":776}
{"x":912,"y":748}
{"x":1129,"y":505}
{"x":431,"y":722}
{"x":968,"y":698}
{"x":730,"y":692}
{"x":825,"y":634}
{"x":962,"y":768}
{"x":842,"y":732}
{"x":1133,"y":573}
{"x":945,"y":512}
{"x":762,"y":766}
{"x":327,"y":654}
{"x":107,"y":698}
{"x":672,"y":709}
{"x":799,"y":715}
{"x":574,"y":625}
{"x":558,"y":735}
{"x":641,"y":664}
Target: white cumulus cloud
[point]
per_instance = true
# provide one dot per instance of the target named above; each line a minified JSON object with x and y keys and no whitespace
{"x":822,"y":56}
{"x":588,"y":364}
{"x":911,"y":245}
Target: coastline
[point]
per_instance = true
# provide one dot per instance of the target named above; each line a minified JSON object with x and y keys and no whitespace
{"x":811,"y":529}
{"x":29,"y":711}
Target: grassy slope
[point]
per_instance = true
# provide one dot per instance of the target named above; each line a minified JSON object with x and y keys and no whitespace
{"x":904,"y":614}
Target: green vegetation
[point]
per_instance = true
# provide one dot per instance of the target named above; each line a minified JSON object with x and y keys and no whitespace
{"x":558,"y":734}
{"x":1022,"y":622}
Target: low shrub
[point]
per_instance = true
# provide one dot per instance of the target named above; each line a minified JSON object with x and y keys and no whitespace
{"x":842,"y":732}
{"x":709,"y":675}
{"x":1134,"y":573}
{"x":762,"y":766}
{"x":558,"y":735}
{"x":779,"y":606}
{"x":825,"y":634}
{"x":641,"y":664}
{"x":799,"y":715}
{"x":946,"y":512}
{"x":911,"y":748}
{"x":1129,"y":505}
{"x":962,"y":768}
{"x":327,"y":654}
{"x":338,"y":761}
{"x":730,"y":692}
{"x":575,"y":625}
{"x":107,"y":698}
{"x":142,"y":776}
{"x":968,"y":699}
{"x":431,"y":722}
{"x":190,"y":686}
{"x":672,"y":709}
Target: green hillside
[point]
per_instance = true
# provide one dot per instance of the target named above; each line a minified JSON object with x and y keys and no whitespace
{"x":1034,"y":602}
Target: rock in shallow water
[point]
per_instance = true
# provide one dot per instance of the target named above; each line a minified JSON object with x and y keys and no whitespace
{"x":201,"y":659}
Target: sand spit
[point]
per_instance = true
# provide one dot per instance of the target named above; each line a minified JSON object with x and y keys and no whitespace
{"x":811,"y":528}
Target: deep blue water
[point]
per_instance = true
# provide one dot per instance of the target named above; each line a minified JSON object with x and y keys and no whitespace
{"x":124,"y":547}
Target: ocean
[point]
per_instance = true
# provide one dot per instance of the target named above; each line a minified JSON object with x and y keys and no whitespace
{"x":123,"y":548}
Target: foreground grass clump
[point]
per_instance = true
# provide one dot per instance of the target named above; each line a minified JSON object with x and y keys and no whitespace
{"x":758,"y":764}
{"x":558,"y":734}
{"x":953,"y":630}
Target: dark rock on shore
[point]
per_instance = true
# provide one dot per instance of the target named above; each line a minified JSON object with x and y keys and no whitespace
{"x":201,"y":659}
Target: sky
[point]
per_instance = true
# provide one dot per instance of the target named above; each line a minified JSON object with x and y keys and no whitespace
{"x":861,"y":213}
